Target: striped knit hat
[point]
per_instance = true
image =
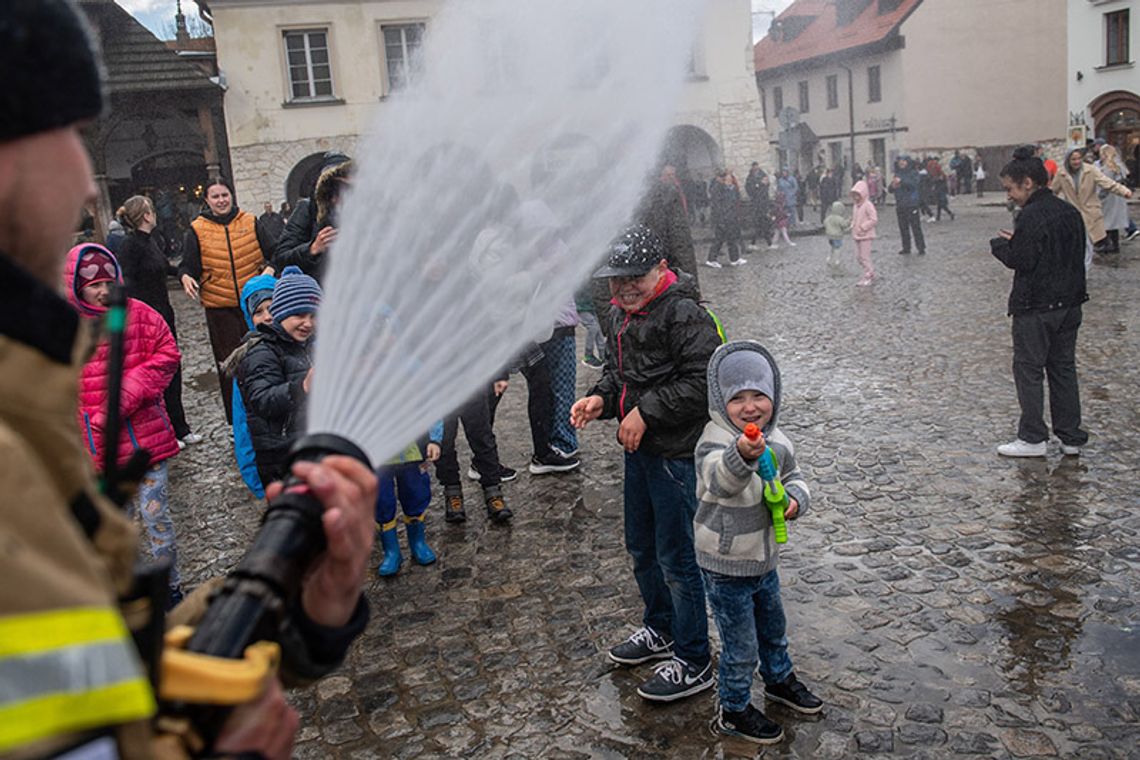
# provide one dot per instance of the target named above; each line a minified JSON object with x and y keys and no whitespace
{"x":295,"y":293}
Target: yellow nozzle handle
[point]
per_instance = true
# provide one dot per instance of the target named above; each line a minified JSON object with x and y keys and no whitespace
{"x":201,"y":679}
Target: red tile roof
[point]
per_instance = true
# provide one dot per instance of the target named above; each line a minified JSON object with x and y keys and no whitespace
{"x":823,"y":36}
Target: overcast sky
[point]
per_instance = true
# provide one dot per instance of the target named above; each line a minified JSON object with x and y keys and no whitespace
{"x":158,"y":13}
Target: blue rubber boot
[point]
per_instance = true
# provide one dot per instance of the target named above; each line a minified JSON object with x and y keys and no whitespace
{"x":417,"y":544}
{"x":390,"y":543}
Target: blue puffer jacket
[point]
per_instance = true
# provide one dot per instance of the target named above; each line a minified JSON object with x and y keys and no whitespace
{"x":243,"y":443}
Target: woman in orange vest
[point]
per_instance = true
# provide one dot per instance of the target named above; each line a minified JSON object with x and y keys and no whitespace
{"x":224,"y":249}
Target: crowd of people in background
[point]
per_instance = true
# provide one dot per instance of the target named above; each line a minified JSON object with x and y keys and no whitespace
{"x":258,"y":281}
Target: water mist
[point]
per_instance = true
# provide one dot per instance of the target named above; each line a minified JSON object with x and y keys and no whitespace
{"x":485,"y":194}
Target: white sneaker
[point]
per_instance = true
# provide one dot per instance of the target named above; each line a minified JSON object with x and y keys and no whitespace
{"x":713,"y":264}
{"x":1070,"y":451}
{"x":738,"y":262}
{"x":773,"y":247}
{"x":1020,"y":448}
{"x":793,"y":245}
{"x":754,"y":247}
{"x":191,"y":438}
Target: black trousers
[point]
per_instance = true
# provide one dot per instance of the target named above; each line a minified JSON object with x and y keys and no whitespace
{"x":539,"y":405}
{"x":910,"y":221}
{"x":172,"y":396}
{"x":226,"y":327}
{"x":477,"y":421}
{"x":730,"y":237}
{"x":1046,"y":342}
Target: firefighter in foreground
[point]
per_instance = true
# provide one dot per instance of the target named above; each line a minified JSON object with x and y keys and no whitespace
{"x":72,"y":679}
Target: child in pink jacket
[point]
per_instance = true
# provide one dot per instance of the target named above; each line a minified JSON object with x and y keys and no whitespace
{"x":864,"y":218}
{"x":150,"y":358}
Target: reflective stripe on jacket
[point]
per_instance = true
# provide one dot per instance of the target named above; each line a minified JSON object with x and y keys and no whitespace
{"x":67,"y":670}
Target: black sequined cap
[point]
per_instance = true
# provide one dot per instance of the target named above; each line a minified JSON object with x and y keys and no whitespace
{"x":633,"y":254}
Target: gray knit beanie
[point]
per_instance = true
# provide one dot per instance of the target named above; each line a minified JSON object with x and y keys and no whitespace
{"x":745,"y":370}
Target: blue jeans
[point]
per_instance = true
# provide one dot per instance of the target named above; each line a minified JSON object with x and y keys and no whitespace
{"x":562,"y":355}
{"x":660,"y":503}
{"x":410,"y":483}
{"x":151,"y":507}
{"x":750,"y":619}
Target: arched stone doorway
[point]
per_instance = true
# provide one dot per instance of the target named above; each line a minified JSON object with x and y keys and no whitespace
{"x":692,"y":151}
{"x":303,"y":177}
{"x":175,"y":181}
{"x":1116,"y":116}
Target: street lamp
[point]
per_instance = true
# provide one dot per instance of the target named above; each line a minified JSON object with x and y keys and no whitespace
{"x":851,"y":113}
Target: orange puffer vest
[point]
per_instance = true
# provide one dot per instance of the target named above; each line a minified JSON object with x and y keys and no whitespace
{"x":230,"y":257}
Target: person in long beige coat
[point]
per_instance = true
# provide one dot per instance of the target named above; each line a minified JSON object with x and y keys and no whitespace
{"x":1077,"y":183}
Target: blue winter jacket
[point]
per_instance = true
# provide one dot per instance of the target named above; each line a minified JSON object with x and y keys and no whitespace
{"x":243,"y":443}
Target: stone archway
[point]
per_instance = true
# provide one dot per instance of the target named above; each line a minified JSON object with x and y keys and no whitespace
{"x":1116,"y":118}
{"x":692,"y":151}
{"x":302,"y":179}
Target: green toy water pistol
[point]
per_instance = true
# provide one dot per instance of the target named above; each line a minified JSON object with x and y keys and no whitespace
{"x":774,"y":494}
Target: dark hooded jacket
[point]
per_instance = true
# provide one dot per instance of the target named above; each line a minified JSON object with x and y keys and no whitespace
{"x":310,"y":217}
{"x":1046,"y":254}
{"x":270,"y":377}
{"x":906,"y":194}
{"x":656,"y":360}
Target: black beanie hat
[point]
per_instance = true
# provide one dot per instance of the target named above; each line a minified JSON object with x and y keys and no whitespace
{"x":54,"y":76}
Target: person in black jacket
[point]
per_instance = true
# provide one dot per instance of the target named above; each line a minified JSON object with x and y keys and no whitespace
{"x":309,"y":233}
{"x":275,"y":374}
{"x":655,"y":382}
{"x":905,"y":186}
{"x":1046,"y":252}
{"x":145,"y":273}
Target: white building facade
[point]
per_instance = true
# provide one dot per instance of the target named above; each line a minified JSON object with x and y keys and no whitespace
{"x":305,"y":77}
{"x":1103,"y":79}
{"x":867,"y":80}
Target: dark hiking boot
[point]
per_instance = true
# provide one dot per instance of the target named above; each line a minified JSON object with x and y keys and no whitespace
{"x":453,"y":511}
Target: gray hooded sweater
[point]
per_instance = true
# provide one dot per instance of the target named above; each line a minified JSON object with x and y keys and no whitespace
{"x":732,"y":530}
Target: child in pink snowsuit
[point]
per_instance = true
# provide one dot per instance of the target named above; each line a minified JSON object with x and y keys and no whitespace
{"x":864,"y":218}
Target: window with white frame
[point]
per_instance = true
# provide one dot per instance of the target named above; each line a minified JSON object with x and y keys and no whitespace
{"x":307,"y":58}
{"x":402,"y":43}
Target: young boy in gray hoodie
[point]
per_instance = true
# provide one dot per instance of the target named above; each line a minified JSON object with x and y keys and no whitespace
{"x":735,"y":541}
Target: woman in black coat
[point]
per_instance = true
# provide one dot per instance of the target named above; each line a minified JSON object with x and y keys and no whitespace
{"x":145,"y":272}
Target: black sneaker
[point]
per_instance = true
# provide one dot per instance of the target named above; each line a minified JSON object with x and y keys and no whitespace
{"x":795,"y":695}
{"x":453,"y":511}
{"x":497,"y":508}
{"x":675,"y":680}
{"x":644,"y":645}
{"x":749,"y":724}
{"x":552,"y":461}
{"x":904,"y":253}
{"x":506,"y":474}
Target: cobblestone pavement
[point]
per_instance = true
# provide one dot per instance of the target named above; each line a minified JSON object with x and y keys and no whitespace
{"x":942,"y":600}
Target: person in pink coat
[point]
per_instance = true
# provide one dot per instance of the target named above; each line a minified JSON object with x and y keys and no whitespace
{"x":864,"y":219}
{"x":150,"y":359}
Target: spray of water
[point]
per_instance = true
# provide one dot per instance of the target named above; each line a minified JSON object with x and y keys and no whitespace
{"x":485,"y":195}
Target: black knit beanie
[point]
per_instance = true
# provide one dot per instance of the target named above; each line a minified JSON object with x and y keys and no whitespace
{"x":53,"y":76}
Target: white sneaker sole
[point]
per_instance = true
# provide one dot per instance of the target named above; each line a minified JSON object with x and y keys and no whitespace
{"x":792,"y":705}
{"x":1021,"y":454}
{"x":665,"y":654}
{"x":694,"y":689}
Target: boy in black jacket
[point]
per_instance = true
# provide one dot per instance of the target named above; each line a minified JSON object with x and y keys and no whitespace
{"x":274,"y":376}
{"x":657,"y":353}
